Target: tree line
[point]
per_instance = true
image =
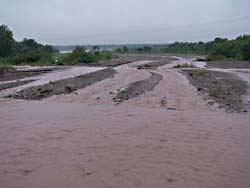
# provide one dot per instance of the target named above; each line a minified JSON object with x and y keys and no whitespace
{"x":218,"y":49}
{"x":28,"y":50}
{"x":31,"y":52}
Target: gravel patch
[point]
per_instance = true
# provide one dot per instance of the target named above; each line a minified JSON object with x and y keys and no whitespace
{"x":226,"y":89}
{"x":137,"y":88}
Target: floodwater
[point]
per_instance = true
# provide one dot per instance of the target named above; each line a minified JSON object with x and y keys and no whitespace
{"x":85,"y":140}
{"x":199,"y":64}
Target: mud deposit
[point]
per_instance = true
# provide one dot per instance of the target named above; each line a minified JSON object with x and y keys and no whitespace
{"x":64,"y":86}
{"x":137,"y":88}
{"x":226,"y":89}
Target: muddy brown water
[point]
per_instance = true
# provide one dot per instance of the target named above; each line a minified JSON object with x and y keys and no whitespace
{"x":84,"y":141}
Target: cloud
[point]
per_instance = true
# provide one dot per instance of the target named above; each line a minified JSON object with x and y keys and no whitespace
{"x":123,"y":21}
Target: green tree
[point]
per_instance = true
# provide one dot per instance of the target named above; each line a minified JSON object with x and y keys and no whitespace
{"x":6,"y":41}
{"x":125,"y":49}
{"x":245,"y":51}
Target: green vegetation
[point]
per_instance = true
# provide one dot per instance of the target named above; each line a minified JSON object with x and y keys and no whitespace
{"x":217,"y":49}
{"x":69,"y":88}
{"x":30,"y":52}
{"x":46,"y":89}
{"x":200,"y":73}
{"x":4,"y":66}
{"x":27,"y":51}
{"x":6,"y":41}
{"x":79,"y":55}
{"x":144,"y":49}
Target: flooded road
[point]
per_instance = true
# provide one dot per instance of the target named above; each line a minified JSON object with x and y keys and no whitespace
{"x":84,"y":140}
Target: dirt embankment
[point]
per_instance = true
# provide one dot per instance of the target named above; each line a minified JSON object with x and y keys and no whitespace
{"x":63,"y":86}
{"x":229,"y":64}
{"x":137,"y":88}
{"x":224,"y":88}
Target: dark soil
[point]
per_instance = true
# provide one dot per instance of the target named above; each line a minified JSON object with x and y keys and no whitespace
{"x":137,"y":88}
{"x":224,"y":88}
{"x":153,"y":65}
{"x":64,"y":86}
{"x":14,"y":84}
{"x":15,"y":75}
{"x":229,"y":64}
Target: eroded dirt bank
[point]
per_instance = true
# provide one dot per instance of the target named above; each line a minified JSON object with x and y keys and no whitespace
{"x":84,"y":140}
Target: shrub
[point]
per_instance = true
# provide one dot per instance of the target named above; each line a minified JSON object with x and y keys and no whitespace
{"x":4,"y":66}
{"x":79,"y":55}
{"x":69,"y":88}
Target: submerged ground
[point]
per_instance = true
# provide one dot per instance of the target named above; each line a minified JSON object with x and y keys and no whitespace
{"x":160,"y":133}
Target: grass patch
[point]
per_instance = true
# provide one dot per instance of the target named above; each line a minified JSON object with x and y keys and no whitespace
{"x":200,"y":73}
{"x":46,"y":89}
{"x":5,"y":67}
{"x":79,"y":55}
{"x":69,"y":88}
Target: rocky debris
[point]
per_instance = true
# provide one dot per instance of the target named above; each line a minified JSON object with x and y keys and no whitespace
{"x":14,"y":84}
{"x":64,"y":86}
{"x":163,"y":101}
{"x":226,"y":89}
{"x":137,"y":88}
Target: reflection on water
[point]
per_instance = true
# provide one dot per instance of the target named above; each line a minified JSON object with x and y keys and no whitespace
{"x":199,"y":64}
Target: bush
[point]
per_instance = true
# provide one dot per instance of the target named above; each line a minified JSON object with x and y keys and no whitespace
{"x":6,"y":41}
{"x":28,"y":51}
{"x":79,"y":55}
{"x":245,"y":51}
{"x":4,"y":66}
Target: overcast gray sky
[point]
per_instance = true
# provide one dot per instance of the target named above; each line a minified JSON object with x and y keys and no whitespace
{"x":125,"y":21}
